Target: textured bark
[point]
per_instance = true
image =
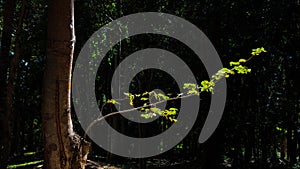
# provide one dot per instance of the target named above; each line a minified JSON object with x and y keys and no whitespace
{"x":63,"y":148}
{"x":9,"y":9}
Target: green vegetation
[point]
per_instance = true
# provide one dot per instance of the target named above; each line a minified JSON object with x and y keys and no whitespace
{"x":193,"y":89}
{"x":27,"y":164}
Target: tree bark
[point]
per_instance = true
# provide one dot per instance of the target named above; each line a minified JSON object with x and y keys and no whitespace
{"x":63,"y":148}
{"x":9,"y":9}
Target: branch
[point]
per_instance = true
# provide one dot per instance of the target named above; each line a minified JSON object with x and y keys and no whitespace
{"x":193,"y":89}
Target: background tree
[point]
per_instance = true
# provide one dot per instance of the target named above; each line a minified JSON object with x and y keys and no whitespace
{"x":5,"y":58}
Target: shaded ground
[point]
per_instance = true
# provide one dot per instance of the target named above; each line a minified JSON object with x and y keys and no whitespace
{"x":159,"y":164}
{"x":34,"y":161}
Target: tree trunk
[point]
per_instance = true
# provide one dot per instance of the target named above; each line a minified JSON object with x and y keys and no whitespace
{"x":63,"y":148}
{"x":9,"y":8}
{"x":14,"y":62}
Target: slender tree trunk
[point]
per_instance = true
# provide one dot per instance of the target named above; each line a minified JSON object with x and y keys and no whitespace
{"x":63,"y":148}
{"x":9,"y":9}
{"x":12,"y":79}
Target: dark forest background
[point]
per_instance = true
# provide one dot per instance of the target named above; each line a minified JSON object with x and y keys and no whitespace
{"x":260,"y":126}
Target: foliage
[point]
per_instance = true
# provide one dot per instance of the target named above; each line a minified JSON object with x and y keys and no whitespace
{"x":296,"y":166}
{"x":193,"y":89}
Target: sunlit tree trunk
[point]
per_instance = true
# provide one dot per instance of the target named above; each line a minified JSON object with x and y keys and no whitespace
{"x":63,"y":148}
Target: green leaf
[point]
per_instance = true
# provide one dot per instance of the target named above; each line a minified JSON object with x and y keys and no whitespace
{"x":155,"y":110}
{"x":242,"y":60}
{"x":205,"y":83}
{"x":173,"y":109}
{"x":189,"y":85}
{"x":234,"y":63}
{"x":193,"y":91}
{"x":162,"y":96}
{"x":131,"y":97}
{"x":146,"y":116}
{"x":257,"y":51}
{"x":112,"y":101}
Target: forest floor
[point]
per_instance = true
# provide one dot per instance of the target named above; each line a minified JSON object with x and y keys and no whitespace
{"x":34,"y":161}
{"x":163,"y":164}
{"x":101,"y":165}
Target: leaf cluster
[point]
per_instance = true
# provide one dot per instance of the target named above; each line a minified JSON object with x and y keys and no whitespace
{"x":236,"y":67}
